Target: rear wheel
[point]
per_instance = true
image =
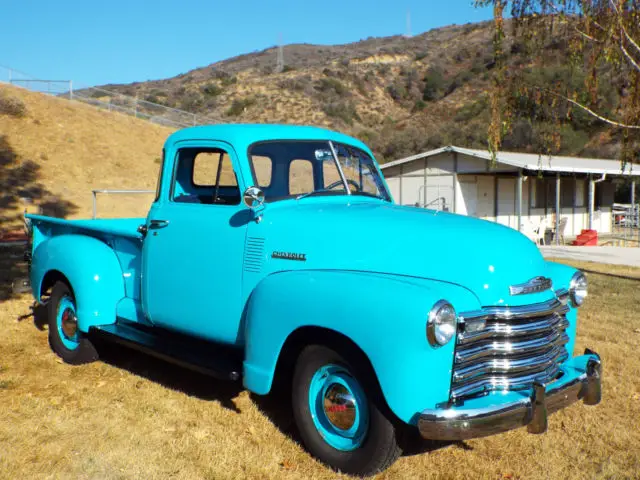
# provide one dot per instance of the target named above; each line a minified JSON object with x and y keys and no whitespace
{"x":339,"y":413}
{"x":64,"y":337}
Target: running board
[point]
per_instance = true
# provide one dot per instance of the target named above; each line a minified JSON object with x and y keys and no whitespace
{"x":218,"y":361}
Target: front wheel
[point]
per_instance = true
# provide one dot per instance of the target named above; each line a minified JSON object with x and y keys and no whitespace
{"x":339,"y":413}
{"x":64,"y":337}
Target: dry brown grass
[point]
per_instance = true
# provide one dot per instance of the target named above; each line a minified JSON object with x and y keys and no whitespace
{"x":80,"y":148}
{"x":130,"y":416}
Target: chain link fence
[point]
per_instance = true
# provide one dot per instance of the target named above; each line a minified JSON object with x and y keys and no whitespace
{"x":626,"y":223}
{"x":106,"y":99}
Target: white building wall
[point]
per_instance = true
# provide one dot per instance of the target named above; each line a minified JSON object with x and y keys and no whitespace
{"x":580,"y":222}
{"x":507,"y":202}
{"x":475,"y":196}
{"x":440,"y":164}
{"x":602,"y":220}
{"x":467,"y":195}
{"x":394,"y":187}
{"x":486,"y":197}
{"x":440,"y":192}
{"x":411,"y":186}
{"x":467,"y":164}
{"x":473,"y":184}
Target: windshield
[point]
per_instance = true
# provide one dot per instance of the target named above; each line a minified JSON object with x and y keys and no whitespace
{"x":295,"y":169}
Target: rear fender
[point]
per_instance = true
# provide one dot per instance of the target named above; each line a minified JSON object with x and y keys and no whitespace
{"x":384,"y":315}
{"x":92,"y":270}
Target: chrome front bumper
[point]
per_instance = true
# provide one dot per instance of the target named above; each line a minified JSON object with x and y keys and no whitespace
{"x":460,"y":423}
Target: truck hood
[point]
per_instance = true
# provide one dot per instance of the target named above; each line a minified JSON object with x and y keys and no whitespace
{"x":373,"y":236}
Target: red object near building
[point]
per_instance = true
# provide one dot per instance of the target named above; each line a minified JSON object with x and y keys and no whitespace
{"x":587,"y":238}
{"x":8,"y":238}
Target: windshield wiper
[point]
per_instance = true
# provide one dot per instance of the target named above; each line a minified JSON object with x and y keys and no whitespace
{"x":308,"y":194}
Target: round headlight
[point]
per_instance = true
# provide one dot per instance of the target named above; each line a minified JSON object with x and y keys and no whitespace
{"x":441,"y":326}
{"x":578,"y":289}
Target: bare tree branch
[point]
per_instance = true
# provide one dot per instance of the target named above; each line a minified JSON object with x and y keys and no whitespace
{"x":589,"y":111}
{"x":588,"y":37}
{"x":622,"y":27}
{"x":631,"y":40}
{"x":629,"y":57}
{"x":555,"y":8}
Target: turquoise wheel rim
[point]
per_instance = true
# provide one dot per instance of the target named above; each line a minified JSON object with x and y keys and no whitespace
{"x":338,"y":407}
{"x":65,"y":318}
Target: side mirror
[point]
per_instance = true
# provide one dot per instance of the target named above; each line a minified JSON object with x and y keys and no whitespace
{"x":253,"y":197}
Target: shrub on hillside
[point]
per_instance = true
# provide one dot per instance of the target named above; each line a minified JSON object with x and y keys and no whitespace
{"x":345,"y":111}
{"x":211,"y":90}
{"x":331,"y":85}
{"x":191,"y":101}
{"x":302,"y":83}
{"x":396,"y":91}
{"x":226,"y":81}
{"x":239,"y":105}
{"x":471,"y":110}
{"x":433,"y":84}
{"x":419,"y":106}
{"x":459,"y":80}
{"x":12,"y":106}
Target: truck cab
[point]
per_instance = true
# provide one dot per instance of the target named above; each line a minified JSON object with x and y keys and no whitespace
{"x":276,"y":253}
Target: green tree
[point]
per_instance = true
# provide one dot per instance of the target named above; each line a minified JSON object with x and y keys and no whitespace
{"x":603,"y":44}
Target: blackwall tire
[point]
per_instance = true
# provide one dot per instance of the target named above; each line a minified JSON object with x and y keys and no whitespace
{"x":75,"y":348}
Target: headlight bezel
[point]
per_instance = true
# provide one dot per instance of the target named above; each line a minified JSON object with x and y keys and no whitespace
{"x":434,"y":323}
{"x":578,"y":284}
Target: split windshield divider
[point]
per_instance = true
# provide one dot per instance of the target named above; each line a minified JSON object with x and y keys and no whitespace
{"x":335,"y":158}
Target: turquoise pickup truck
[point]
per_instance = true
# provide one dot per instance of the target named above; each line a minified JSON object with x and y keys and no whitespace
{"x":276,"y":253}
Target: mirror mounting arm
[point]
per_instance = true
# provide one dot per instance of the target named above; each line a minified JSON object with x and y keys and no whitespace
{"x":253,"y":198}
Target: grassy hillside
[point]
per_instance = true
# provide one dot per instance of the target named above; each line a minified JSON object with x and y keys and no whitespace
{"x":401,"y":95}
{"x":56,"y":151}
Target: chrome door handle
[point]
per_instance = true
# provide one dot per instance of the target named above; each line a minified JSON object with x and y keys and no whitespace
{"x":158,"y":223}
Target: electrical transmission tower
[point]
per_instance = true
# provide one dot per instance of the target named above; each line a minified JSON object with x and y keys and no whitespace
{"x":280,"y":59}
{"x":408,"y":32}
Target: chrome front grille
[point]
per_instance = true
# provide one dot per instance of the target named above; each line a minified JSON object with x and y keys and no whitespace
{"x":516,"y":347}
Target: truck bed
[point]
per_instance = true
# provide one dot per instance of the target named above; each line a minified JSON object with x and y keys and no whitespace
{"x":120,"y":234}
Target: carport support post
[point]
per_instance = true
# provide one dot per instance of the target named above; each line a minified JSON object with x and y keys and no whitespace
{"x":591,"y":201}
{"x":519,"y":199}
{"x":557,"y":209}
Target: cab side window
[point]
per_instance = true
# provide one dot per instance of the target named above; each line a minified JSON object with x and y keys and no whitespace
{"x":205,"y":176}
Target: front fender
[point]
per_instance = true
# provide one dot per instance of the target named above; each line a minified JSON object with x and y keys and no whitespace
{"x":385,"y":315}
{"x":561,"y":278}
{"x":92,"y":269}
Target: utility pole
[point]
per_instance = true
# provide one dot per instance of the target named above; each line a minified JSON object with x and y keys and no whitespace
{"x":408,"y":32}
{"x":280,"y":59}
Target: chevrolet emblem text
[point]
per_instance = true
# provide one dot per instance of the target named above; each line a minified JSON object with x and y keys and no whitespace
{"x":301,"y":257}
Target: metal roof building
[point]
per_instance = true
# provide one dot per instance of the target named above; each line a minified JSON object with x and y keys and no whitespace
{"x":518,"y":190}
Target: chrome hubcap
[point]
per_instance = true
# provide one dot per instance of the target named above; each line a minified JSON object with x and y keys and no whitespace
{"x":69,"y":323}
{"x":340,"y":407}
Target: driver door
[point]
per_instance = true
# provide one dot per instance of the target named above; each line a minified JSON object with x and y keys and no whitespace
{"x":192,"y":254}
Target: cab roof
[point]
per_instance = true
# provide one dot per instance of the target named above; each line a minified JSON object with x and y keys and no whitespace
{"x":241,"y":135}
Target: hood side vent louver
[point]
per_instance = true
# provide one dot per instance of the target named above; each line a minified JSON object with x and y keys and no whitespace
{"x":253,"y":254}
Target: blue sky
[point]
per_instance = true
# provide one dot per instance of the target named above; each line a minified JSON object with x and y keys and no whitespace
{"x":121,"y":41}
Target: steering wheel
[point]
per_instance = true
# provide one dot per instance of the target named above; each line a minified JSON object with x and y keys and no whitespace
{"x":339,"y":182}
